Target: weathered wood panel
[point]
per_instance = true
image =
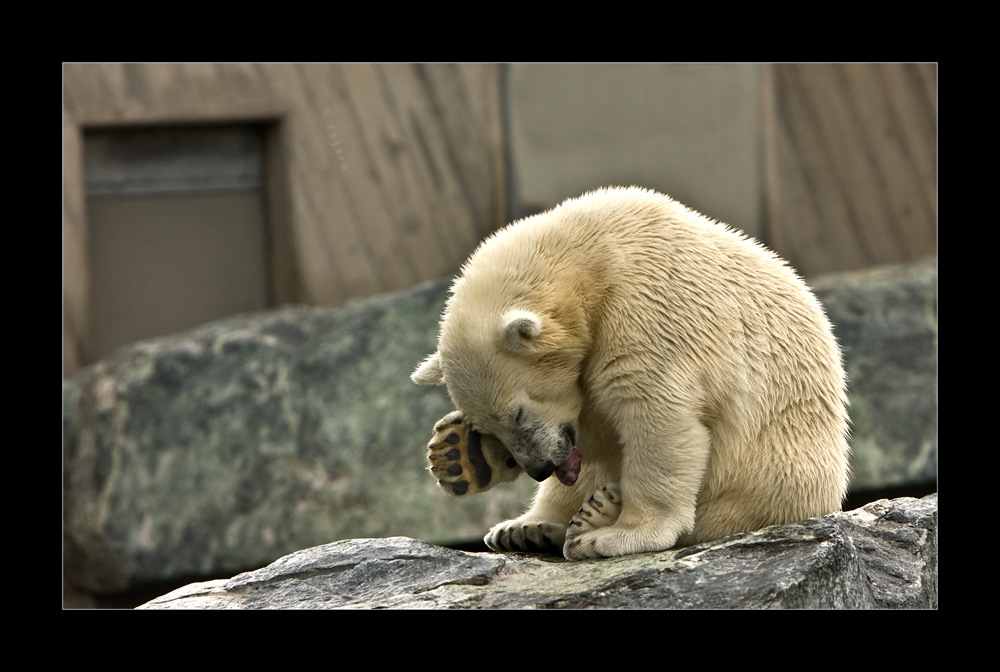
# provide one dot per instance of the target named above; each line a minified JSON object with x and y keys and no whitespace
{"x":380,"y":176}
{"x":852,"y":160}
{"x":76,"y":278}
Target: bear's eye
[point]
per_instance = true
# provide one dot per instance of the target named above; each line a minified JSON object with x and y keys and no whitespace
{"x":519,"y":416}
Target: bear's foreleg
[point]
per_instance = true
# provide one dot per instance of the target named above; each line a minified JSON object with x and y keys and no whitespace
{"x":662,"y":473}
{"x":466,"y":462}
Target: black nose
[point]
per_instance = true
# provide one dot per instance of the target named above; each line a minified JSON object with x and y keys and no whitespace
{"x":543,"y":473}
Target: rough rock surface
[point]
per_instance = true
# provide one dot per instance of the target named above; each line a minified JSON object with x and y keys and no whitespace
{"x":883,"y":555}
{"x":225,"y":447}
{"x":886,"y":321}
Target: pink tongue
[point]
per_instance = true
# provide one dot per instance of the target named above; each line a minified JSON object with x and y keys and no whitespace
{"x":570,"y":469}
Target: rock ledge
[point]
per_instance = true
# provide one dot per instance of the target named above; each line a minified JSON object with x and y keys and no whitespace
{"x":883,"y":555}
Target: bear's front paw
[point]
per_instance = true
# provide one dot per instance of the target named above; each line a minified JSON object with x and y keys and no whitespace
{"x":647,"y":534}
{"x":515,"y":535}
{"x":601,"y":510}
{"x":466,"y":462}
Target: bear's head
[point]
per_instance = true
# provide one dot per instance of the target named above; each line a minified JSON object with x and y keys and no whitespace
{"x":517,"y":379}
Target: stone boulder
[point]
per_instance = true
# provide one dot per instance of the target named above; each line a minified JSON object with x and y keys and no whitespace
{"x":881,"y":556}
{"x":220,"y":449}
{"x":223,"y":448}
{"x":886,"y":321}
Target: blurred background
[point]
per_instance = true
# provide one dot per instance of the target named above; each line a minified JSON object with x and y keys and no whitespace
{"x":196,"y":192}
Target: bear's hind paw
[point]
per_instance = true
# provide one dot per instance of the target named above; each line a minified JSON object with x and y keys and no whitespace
{"x":466,"y":462}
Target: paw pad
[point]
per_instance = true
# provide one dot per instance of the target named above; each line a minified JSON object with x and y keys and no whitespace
{"x":466,"y":462}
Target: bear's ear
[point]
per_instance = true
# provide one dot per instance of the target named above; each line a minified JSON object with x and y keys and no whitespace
{"x":429,"y":372}
{"x":518,"y":328}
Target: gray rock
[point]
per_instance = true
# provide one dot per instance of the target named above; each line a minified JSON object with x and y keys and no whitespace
{"x":228,"y":446}
{"x":886,"y":321}
{"x":220,"y":449}
{"x":883,"y":555}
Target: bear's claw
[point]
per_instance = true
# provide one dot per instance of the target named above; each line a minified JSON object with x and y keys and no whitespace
{"x":529,"y":537}
{"x":466,"y":462}
{"x":601,"y":510}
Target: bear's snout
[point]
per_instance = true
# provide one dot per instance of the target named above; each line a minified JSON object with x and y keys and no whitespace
{"x":543,"y":473}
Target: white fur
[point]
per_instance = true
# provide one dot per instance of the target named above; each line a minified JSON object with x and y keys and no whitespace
{"x":429,"y":372}
{"x":517,"y":329}
{"x":691,"y":365}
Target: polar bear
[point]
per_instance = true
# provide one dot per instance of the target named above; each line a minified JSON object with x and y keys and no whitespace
{"x":666,"y":380}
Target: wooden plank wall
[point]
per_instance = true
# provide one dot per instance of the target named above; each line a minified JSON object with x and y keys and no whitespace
{"x":851,"y":160}
{"x":380,"y":176}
